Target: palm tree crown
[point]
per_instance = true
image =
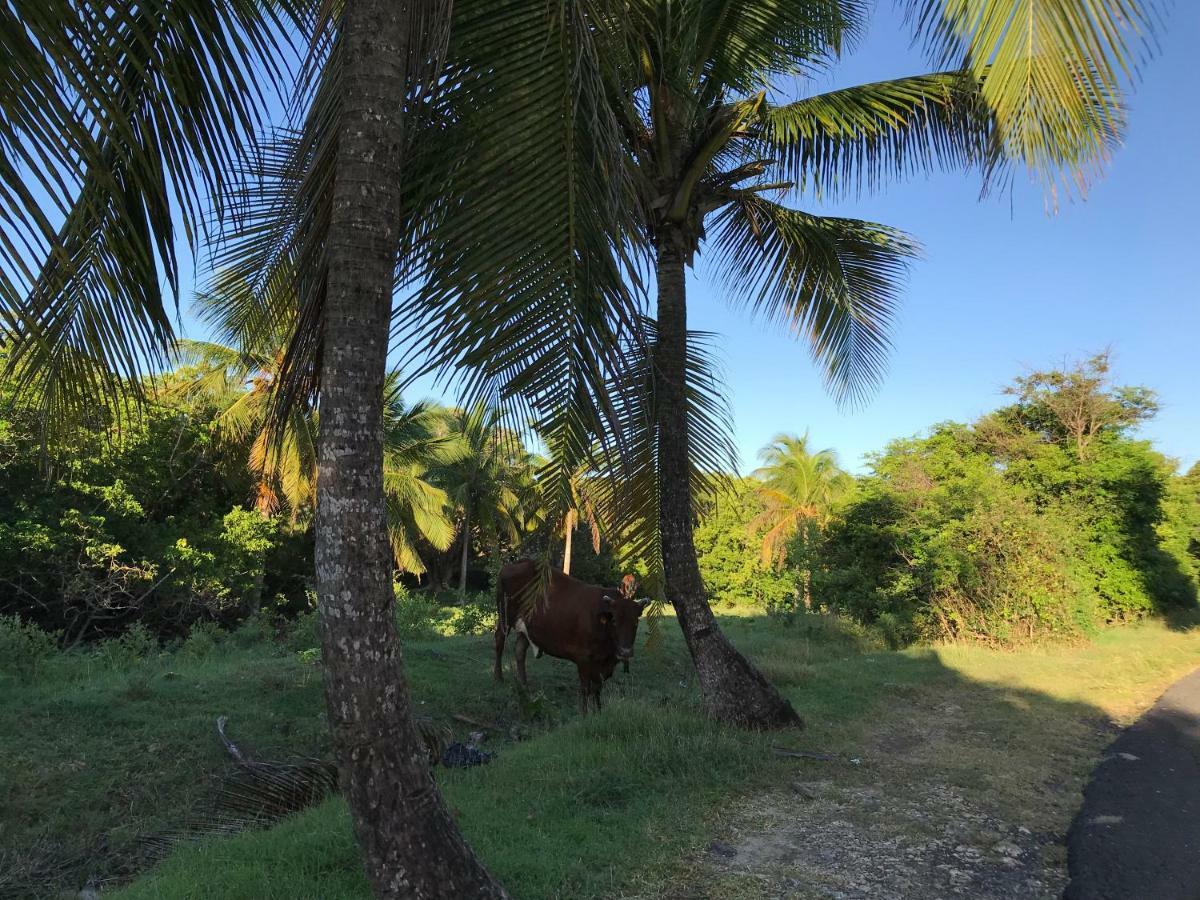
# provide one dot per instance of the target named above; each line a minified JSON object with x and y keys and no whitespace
{"x":798,"y":487}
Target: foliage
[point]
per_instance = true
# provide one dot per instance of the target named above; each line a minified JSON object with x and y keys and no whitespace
{"x":24,"y":648}
{"x":728,"y":542}
{"x":1011,"y":529}
{"x":141,"y":522}
{"x":132,"y":648}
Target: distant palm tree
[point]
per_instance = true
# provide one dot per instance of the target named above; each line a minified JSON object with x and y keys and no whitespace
{"x":489,"y":484}
{"x":582,"y":509}
{"x":799,"y":488}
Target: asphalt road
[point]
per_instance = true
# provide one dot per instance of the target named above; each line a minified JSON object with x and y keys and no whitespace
{"x":1137,"y":835}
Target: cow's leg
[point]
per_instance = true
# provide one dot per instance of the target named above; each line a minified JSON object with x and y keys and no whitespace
{"x":498,"y":672}
{"x":625,"y":666}
{"x":585,"y":689}
{"x":520,"y":648}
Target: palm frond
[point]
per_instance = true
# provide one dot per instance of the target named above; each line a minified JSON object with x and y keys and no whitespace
{"x":128,"y":116}
{"x":1051,"y":71}
{"x":625,"y":490}
{"x":854,"y":139}
{"x":833,"y":281}
{"x":742,"y":44}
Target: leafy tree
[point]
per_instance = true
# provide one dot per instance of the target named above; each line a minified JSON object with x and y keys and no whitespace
{"x":728,"y":550}
{"x":1075,"y":406}
{"x":996,"y":533}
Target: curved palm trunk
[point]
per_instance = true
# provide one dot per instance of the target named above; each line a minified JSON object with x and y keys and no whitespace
{"x":733,"y":690}
{"x":410,"y":844}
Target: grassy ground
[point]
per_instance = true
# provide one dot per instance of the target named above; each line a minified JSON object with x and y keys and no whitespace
{"x":620,"y":803}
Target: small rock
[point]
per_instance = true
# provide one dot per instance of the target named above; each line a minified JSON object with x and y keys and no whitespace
{"x":1106,"y":820}
{"x":718,"y":849}
{"x":1005,"y":848}
{"x":856,"y":761}
{"x":477,"y":737}
{"x":958,"y":876}
{"x":1129,"y":756}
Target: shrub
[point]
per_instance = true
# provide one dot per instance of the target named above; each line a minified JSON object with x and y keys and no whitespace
{"x":132,"y":648}
{"x":476,"y":616}
{"x":202,"y":640}
{"x":24,"y":648}
{"x":417,"y":616}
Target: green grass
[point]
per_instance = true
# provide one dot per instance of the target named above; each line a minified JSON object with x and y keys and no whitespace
{"x":594,"y":807}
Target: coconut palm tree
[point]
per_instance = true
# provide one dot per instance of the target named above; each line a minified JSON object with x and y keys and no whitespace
{"x":487,"y":484}
{"x":799,"y":490}
{"x":798,"y":487}
{"x":122,"y":117}
{"x":282,"y":455}
{"x":714,"y":151}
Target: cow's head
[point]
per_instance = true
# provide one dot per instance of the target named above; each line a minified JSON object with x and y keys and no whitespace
{"x":621,"y":613}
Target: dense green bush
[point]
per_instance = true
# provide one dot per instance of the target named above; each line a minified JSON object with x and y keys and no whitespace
{"x":145,"y":521}
{"x":24,"y":648}
{"x":1017,"y":526}
{"x":729,"y":551}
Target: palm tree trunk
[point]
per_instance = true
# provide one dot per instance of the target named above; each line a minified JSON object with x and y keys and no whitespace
{"x":733,"y":690}
{"x":410,"y":843}
{"x":466,"y":548}
{"x":570,"y":529}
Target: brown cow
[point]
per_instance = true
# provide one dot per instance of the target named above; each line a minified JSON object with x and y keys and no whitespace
{"x":593,"y":627}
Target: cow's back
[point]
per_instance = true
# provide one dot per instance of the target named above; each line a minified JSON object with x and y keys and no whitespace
{"x":564,"y":622}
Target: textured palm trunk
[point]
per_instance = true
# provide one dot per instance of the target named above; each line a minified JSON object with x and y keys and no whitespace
{"x":733,"y":690}
{"x":410,"y":843}
{"x":466,"y":549}
{"x":570,"y":533}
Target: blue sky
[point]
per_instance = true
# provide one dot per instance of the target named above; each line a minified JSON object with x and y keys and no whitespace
{"x":1003,"y":286}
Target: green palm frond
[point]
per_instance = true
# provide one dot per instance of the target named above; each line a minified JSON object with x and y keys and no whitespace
{"x":853,"y":139}
{"x":1051,"y":71}
{"x":124,"y":115}
{"x":742,"y":44}
{"x":525,"y":289}
{"x":625,"y":490}
{"x":834,"y":282}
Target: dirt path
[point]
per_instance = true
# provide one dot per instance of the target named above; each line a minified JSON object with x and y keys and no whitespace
{"x":1138,"y":832}
{"x":959,"y":792}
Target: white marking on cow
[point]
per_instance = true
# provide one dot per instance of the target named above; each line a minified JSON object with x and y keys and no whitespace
{"x":520,"y":626}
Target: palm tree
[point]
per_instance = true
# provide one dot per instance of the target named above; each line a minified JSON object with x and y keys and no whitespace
{"x":127,"y":115}
{"x":712,"y":153}
{"x":799,"y":490}
{"x":582,"y":509}
{"x":798,"y":487}
{"x":487,"y":484}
